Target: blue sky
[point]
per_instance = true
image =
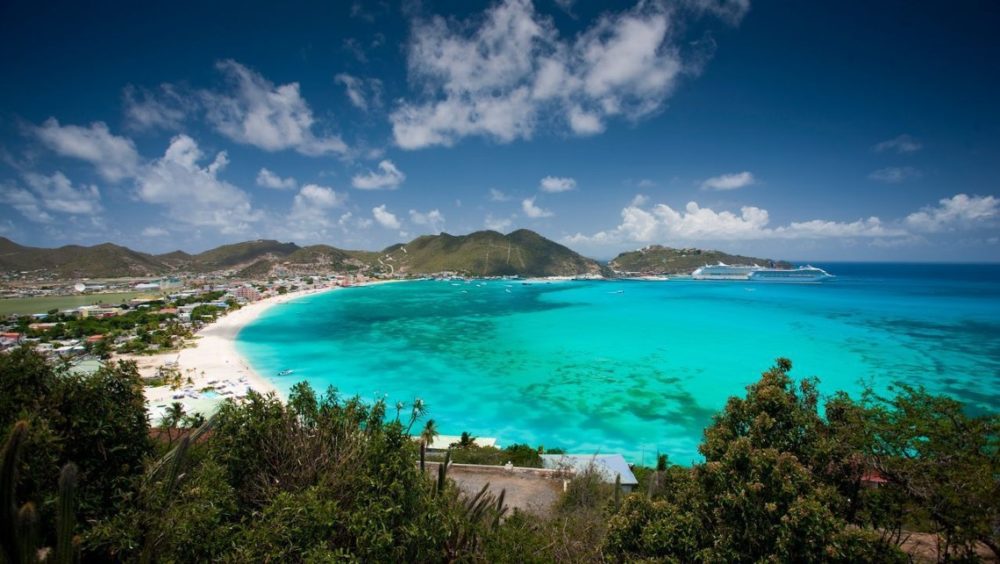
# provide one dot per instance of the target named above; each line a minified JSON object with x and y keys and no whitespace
{"x":807,"y":131}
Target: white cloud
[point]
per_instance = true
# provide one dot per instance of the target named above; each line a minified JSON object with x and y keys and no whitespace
{"x":895,"y":174}
{"x":639,"y":200}
{"x":54,"y":193}
{"x":363,"y":94}
{"x":256,"y":112}
{"x":389,"y":177}
{"x":58,"y":194}
{"x":502,"y":74}
{"x":533,"y":211}
{"x":959,"y":211}
{"x":498,"y":196}
{"x":385,"y":218}
{"x":154,"y":232}
{"x":900,"y":144}
{"x":192,"y":194}
{"x":268,"y":179}
{"x":557,"y":184}
{"x":501,"y":224}
{"x":114,"y":157}
{"x":432,"y":219}
{"x":166,"y":108}
{"x":728,"y":181}
{"x":662,"y":223}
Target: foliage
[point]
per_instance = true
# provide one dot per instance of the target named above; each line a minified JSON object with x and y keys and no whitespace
{"x":765,"y":492}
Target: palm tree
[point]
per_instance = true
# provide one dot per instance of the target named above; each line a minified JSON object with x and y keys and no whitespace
{"x":172,"y":418}
{"x":429,"y":433}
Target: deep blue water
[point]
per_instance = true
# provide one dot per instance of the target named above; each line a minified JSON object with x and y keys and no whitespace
{"x":581,"y":366}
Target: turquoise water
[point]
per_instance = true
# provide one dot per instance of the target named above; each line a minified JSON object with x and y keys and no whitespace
{"x":633,"y":367}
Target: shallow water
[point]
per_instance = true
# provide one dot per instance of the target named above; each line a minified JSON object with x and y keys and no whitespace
{"x":634,"y":367}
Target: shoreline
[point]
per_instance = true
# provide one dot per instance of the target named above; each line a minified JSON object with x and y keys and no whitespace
{"x":212,"y":360}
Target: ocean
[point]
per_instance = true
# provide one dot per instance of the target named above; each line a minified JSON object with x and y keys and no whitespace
{"x":634,"y":367}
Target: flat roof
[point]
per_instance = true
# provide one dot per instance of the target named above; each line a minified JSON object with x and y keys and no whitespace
{"x":607,"y":465}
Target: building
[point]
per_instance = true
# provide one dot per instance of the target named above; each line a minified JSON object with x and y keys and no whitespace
{"x":608,"y":466}
{"x":245,"y":293}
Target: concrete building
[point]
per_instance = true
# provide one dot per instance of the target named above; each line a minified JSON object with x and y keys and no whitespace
{"x":608,"y":466}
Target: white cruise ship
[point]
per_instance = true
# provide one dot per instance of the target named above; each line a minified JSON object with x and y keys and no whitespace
{"x":757,"y":273}
{"x":801,"y":274}
{"x":723,"y":271}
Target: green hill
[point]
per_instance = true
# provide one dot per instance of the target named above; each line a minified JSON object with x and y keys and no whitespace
{"x":666,"y":260}
{"x":486,"y":253}
{"x":75,"y":261}
{"x":241,"y":254}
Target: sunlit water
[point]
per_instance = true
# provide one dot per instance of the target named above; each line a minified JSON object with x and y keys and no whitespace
{"x":633,"y":367}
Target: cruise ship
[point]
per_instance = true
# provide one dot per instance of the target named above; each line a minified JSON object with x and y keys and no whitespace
{"x":723,"y":271}
{"x":755,"y":273}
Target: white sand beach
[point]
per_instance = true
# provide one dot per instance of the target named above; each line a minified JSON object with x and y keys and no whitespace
{"x":211,"y":361}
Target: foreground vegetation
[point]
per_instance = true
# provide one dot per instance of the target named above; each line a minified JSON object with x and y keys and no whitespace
{"x":325,"y":478}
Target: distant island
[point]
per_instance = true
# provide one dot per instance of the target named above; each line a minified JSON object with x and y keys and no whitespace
{"x":656,"y":259}
{"x":481,"y":253}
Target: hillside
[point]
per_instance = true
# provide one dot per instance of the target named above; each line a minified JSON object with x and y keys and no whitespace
{"x":75,"y":261}
{"x":487,"y":253}
{"x":666,"y":260}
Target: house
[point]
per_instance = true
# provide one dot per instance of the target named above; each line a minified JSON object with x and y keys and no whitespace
{"x":10,"y":339}
{"x":608,"y":466}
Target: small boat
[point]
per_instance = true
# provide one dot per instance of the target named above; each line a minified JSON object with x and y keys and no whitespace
{"x":617,"y":292}
{"x":506,"y":290}
{"x":285,"y":372}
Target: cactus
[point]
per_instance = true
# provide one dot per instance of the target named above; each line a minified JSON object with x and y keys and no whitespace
{"x":66,"y":545}
{"x":20,"y":528}
{"x":10,"y":518}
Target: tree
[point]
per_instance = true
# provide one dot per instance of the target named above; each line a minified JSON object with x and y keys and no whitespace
{"x":758,"y":496}
{"x":943,"y":460}
{"x":429,"y":432}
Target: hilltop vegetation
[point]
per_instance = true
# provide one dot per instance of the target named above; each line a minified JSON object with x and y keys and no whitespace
{"x":325,"y":478}
{"x":488,"y":253}
{"x":483,"y":253}
{"x":666,"y":260}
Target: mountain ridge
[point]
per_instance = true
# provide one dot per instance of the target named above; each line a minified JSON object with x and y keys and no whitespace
{"x":480,"y":253}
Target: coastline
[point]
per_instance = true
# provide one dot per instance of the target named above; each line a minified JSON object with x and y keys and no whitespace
{"x":212,"y":361}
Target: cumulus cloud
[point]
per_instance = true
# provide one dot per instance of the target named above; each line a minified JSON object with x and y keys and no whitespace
{"x":268,"y":179}
{"x":58,"y":194}
{"x":164,"y":108}
{"x":501,"y":224}
{"x":728,"y":181}
{"x":498,"y":196}
{"x":54,"y":193}
{"x":310,"y":216}
{"x":114,"y":157}
{"x":388,"y":177}
{"x":385,"y":218}
{"x":256,"y":112}
{"x":501,"y":75}
{"x":363,"y":94}
{"x":531,"y":210}
{"x":895,"y":174}
{"x":193,"y":194}
{"x":154,"y":232}
{"x":959,"y":211}
{"x":695,"y":223}
{"x":433,"y":220}
{"x":901,"y":144}
{"x":557,"y":184}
